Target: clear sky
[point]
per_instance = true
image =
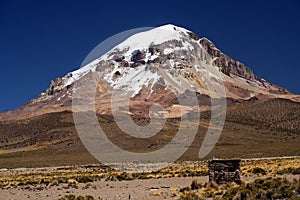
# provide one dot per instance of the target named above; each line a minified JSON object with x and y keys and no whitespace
{"x":43,"y":40}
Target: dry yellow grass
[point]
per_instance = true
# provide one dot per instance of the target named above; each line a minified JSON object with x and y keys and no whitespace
{"x":272,"y":168}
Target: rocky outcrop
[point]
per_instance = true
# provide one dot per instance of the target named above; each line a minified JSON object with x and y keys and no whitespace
{"x":226,"y":64}
{"x":156,"y":73}
{"x":194,"y":36}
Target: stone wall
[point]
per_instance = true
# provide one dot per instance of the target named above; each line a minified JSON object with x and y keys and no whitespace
{"x":225,"y":171}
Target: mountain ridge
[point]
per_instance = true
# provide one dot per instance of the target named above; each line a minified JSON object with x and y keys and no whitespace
{"x":145,"y":61}
{"x":261,"y":119}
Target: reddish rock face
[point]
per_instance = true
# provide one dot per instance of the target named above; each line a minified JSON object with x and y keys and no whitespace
{"x":194,"y":36}
{"x":149,"y":69}
{"x":138,"y":55}
{"x":226,"y":64}
{"x":124,"y":63}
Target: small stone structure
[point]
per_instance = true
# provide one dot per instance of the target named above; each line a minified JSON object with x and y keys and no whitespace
{"x":224,"y":171}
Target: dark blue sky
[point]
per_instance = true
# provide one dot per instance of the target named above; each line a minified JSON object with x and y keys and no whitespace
{"x":40,"y":41}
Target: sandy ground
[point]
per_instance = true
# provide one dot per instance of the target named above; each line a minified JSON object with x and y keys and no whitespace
{"x":111,"y":190}
{"x":162,"y":188}
{"x":115,"y":190}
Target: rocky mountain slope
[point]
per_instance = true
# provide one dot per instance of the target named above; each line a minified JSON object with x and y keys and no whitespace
{"x":154,"y":66}
{"x":260,"y":129}
{"x":163,"y":66}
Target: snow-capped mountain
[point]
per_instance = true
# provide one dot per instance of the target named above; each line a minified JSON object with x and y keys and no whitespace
{"x":155,"y":66}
